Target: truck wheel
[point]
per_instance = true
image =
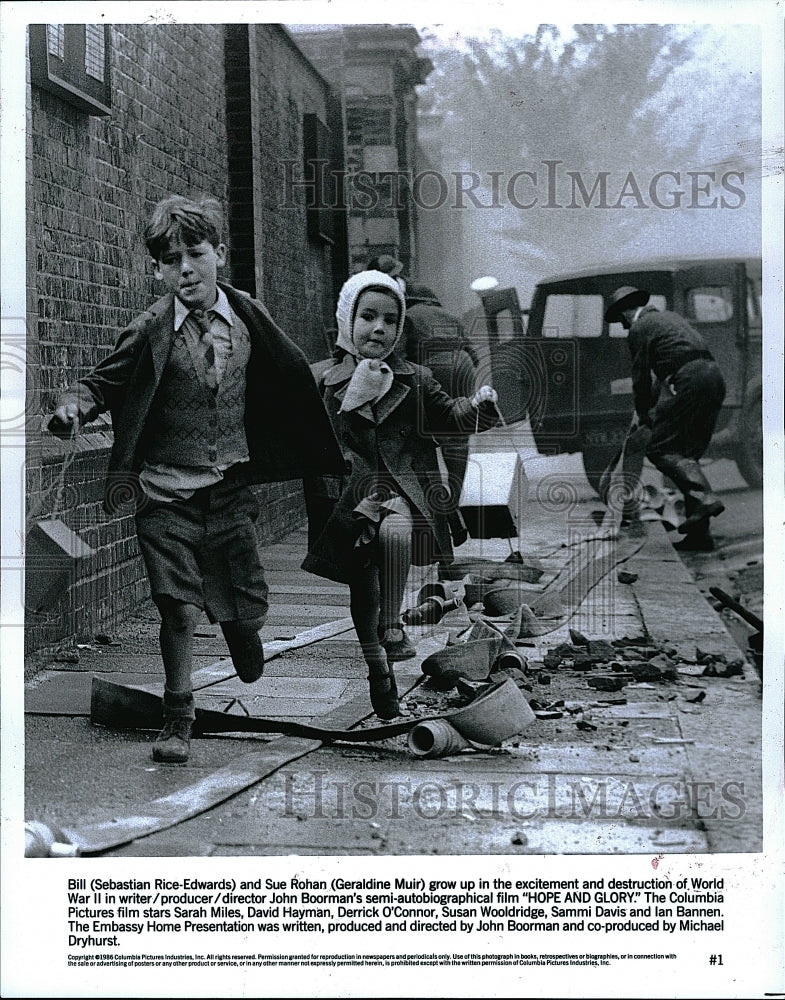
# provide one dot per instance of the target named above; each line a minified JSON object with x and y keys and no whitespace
{"x":749,"y":449}
{"x":596,"y":459}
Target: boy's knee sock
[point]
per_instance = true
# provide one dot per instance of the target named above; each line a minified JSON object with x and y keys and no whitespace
{"x":395,"y":542}
{"x":179,"y":704}
{"x":178,"y":622}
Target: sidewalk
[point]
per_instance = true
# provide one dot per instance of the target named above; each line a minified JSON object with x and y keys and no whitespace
{"x":655,"y":768}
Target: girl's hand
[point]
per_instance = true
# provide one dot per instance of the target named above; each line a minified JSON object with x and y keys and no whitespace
{"x":485,"y":394}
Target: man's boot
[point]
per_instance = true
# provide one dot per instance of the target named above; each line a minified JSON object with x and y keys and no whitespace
{"x":697,"y":538}
{"x":700,"y":503}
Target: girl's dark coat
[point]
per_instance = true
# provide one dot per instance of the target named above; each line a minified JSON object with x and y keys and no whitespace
{"x":400,"y":443}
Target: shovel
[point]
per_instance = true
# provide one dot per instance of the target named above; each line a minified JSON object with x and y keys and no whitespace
{"x":628,"y":461}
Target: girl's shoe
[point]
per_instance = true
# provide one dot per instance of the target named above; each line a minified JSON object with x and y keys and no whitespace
{"x":396,"y":643}
{"x":383,"y":691}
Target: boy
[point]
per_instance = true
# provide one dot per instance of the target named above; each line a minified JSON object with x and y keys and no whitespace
{"x":207,"y":395}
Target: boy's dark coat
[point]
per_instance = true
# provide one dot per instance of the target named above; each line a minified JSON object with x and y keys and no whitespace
{"x":288,"y":432}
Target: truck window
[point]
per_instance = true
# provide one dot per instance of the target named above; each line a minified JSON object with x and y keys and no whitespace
{"x":710,"y":304}
{"x":572,"y":316}
{"x":753,"y":304}
{"x":617,"y":330}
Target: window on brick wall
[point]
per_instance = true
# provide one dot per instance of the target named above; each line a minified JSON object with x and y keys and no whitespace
{"x":72,"y":61}
{"x":367,"y":125}
{"x":321,"y":194}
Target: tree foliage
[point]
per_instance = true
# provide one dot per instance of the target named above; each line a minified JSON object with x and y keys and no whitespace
{"x":623,"y":99}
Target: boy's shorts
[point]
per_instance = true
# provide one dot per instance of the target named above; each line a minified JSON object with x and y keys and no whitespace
{"x":204,"y":551}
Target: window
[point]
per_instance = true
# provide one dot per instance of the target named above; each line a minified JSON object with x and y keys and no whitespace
{"x":710,"y":305}
{"x":573,"y":316}
{"x":72,"y":61}
{"x":753,"y":304}
{"x":321,"y":200}
{"x":369,"y":126}
{"x":95,"y":51}
{"x":55,"y":40}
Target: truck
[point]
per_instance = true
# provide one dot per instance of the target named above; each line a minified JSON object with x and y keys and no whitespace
{"x":560,"y":365}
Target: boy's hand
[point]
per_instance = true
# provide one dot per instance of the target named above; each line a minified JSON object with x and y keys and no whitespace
{"x":64,"y":422}
{"x":485,"y":394}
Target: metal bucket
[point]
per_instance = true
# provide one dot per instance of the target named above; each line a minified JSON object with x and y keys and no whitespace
{"x":494,"y":716}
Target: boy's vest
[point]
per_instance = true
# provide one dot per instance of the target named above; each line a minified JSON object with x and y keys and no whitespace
{"x":191,"y":425}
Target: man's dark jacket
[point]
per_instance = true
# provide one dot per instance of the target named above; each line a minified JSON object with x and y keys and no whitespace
{"x":288,"y":431}
{"x":660,"y":342}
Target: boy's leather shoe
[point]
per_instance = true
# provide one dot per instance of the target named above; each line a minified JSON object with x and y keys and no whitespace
{"x":173,"y":744}
{"x":396,"y":643}
{"x":247,"y":655}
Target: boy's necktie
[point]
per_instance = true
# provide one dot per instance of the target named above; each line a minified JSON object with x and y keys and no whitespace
{"x":202,"y":320}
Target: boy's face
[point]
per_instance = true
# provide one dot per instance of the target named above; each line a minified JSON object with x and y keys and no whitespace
{"x":375,"y":324}
{"x":191,"y":272}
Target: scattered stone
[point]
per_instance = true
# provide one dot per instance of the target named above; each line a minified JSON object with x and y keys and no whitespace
{"x":634,"y":758}
{"x":601,"y":650}
{"x":469,"y":688}
{"x":699,"y":697}
{"x":520,"y":839}
{"x":577,"y":638}
{"x":582,"y":661}
{"x":543,"y":678}
{"x":636,"y":640}
{"x":545,"y":714}
{"x":585,"y":725}
{"x":624,"y":577}
{"x":67,"y":656}
{"x":105,"y":640}
{"x":608,"y":682}
{"x":648,"y":671}
{"x":733,"y":669}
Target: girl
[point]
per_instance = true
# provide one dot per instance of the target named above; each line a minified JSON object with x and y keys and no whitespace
{"x":389,"y":509}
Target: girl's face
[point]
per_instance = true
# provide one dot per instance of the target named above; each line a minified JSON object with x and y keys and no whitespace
{"x":375,"y":324}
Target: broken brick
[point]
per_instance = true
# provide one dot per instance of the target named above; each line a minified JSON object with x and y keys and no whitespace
{"x":608,"y":682}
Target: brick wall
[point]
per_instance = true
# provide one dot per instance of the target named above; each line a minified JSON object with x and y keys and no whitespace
{"x":296,"y":273}
{"x":91,"y":182}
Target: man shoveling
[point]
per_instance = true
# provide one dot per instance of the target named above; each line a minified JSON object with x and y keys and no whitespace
{"x":692,"y":390}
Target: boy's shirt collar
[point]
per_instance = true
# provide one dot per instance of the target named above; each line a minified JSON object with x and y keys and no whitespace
{"x":221,"y":308}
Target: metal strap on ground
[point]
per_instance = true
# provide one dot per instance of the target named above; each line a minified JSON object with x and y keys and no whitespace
{"x":245,"y":770}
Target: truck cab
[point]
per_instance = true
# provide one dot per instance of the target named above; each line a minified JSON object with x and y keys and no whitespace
{"x":570,"y":372}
